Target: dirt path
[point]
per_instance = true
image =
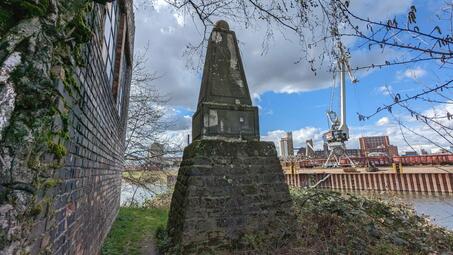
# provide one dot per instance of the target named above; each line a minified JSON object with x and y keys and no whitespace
{"x":148,"y":246}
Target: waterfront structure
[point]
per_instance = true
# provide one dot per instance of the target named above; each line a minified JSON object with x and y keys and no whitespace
{"x":427,"y":179}
{"x":377,"y":144}
{"x":62,"y":151}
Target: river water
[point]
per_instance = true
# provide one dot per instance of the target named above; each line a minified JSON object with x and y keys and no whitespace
{"x":138,"y":194}
{"x":437,"y":207}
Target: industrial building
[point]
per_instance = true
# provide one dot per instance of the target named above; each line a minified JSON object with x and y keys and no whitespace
{"x":377,"y":145}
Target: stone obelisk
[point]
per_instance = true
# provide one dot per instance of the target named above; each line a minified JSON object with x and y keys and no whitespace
{"x":224,"y":109}
{"x":230,"y":186}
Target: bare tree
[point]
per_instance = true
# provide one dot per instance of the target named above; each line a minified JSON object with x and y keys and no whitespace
{"x":146,"y":146}
{"x":323,"y":24}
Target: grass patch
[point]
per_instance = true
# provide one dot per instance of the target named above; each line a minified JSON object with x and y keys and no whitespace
{"x":132,"y":228}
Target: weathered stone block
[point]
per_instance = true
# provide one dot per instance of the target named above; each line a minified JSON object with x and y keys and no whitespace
{"x":216,"y":208}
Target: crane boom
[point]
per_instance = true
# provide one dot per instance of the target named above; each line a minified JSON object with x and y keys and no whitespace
{"x":343,"y":125}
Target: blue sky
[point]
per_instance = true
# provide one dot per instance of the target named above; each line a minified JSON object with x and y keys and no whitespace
{"x":290,"y":96}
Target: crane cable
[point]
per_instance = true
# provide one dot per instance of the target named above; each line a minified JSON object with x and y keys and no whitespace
{"x":332,"y":90}
{"x":332,"y":95}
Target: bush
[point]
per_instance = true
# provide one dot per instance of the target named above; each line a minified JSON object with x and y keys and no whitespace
{"x":331,"y":222}
{"x":161,"y":200}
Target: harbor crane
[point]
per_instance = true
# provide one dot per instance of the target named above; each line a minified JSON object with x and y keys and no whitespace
{"x":338,"y":133}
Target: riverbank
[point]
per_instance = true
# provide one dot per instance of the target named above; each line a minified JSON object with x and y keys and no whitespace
{"x":328,"y":222}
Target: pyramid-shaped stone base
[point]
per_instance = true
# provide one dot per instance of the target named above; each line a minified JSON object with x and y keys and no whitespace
{"x":227,"y":195}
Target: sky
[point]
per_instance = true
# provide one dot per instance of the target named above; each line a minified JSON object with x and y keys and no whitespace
{"x":290,"y":97}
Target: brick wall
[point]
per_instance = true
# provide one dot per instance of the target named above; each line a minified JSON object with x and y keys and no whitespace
{"x":87,"y":201}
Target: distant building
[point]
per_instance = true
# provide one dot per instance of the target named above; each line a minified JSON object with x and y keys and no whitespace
{"x":325,"y":147}
{"x":302,"y":151}
{"x":393,"y":151}
{"x":354,"y":153}
{"x":310,"y":152}
{"x":286,"y":145}
{"x":423,"y":152}
{"x":377,"y":144}
{"x":410,"y":153}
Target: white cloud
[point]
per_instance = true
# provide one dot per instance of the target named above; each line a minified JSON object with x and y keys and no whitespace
{"x":385,"y":90}
{"x":383,"y":121}
{"x":168,"y":34}
{"x":411,"y":73}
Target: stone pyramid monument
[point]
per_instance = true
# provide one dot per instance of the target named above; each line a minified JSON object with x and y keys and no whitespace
{"x":230,"y":187}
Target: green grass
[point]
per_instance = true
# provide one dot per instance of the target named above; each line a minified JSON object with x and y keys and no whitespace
{"x":132,"y":228}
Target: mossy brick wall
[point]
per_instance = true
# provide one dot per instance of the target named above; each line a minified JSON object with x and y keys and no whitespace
{"x":71,"y":197}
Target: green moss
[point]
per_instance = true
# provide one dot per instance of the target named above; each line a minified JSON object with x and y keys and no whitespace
{"x":58,"y":149}
{"x":6,"y":20}
{"x":51,"y":183}
{"x":78,"y":55}
{"x":36,"y":210}
{"x":25,"y":8}
{"x":103,"y":2}
{"x":33,"y":9}
{"x":3,"y":239}
{"x":34,"y":131}
{"x":82,"y":32}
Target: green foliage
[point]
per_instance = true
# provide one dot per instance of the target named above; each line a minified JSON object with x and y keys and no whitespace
{"x":133,"y":229}
{"x":334,"y":223}
{"x":101,"y":1}
{"x":162,"y":240}
{"x":161,"y":200}
{"x":82,"y":33}
{"x":6,"y":20}
{"x":25,"y":8}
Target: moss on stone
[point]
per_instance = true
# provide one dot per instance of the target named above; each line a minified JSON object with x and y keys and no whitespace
{"x":36,"y":210}
{"x":51,"y":183}
{"x":58,"y":149}
{"x":3,"y":239}
{"x":39,"y":125}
